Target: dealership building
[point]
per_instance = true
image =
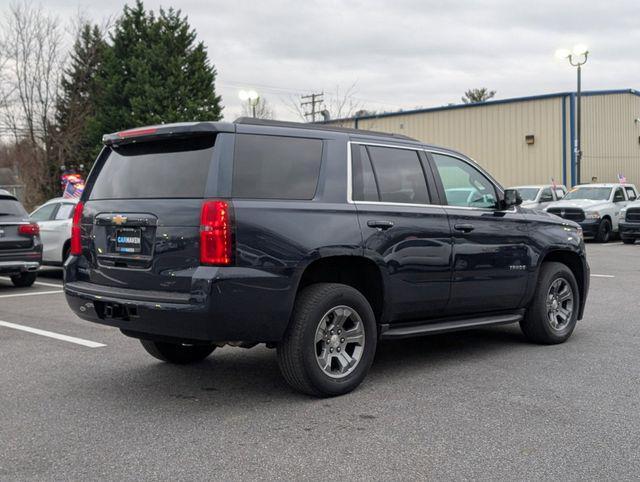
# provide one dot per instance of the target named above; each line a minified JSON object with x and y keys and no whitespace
{"x":530,"y":140}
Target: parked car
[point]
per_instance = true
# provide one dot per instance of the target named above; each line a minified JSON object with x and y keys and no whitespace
{"x":629,"y":222}
{"x":54,"y":218}
{"x":540,"y":196}
{"x":335,"y":210}
{"x":596,"y":207}
{"x":20,"y":246}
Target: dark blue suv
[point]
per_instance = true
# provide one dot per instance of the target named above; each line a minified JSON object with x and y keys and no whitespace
{"x":316,"y":241}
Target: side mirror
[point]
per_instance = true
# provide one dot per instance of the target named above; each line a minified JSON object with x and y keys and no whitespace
{"x":511,"y":198}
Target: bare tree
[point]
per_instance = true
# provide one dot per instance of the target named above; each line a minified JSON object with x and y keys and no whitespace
{"x":473,"y":96}
{"x":338,"y":105}
{"x":32,"y":46}
{"x":263,"y":109}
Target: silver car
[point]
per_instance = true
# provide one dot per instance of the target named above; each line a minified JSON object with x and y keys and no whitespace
{"x":541,"y":195}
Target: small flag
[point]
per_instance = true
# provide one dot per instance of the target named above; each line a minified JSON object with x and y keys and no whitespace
{"x":622,"y":179}
{"x":73,"y":191}
{"x":553,"y":182}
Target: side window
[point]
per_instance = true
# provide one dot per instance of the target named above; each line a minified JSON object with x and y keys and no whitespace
{"x":44,"y":213}
{"x":399,"y":175}
{"x":464,"y":185}
{"x":276,"y":167}
{"x":631,"y":193}
{"x":364,"y":182}
{"x":618,"y":196}
{"x":546,"y":196}
{"x":65,"y":211}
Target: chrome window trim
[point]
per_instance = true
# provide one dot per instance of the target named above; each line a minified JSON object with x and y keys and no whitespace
{"x":350,"y":199}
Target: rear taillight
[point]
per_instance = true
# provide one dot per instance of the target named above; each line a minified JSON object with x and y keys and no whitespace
{"x":215,"y":233}
{"x":76,"y":231}
{"x":29,"y":229}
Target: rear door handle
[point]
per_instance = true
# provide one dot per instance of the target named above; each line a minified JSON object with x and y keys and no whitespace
{"x":379,"y":224}
{"x":465,"y":228}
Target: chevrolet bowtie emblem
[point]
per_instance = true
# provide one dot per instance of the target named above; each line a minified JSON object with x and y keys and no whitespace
{"x":119,"y":219}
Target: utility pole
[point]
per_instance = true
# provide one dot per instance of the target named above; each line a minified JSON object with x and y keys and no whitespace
{"x":313,"y":100}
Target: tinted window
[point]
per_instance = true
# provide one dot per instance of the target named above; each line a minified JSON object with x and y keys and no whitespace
{"x":44,"y":213}
{"x":171,"y":168}
{"x":464,"y":185}
{"x":631,"y":193}
{"x":65,"y":211}
{"x":546,"y":195}
{"x":399,"y":175}
{"x":11,"y":208}
{"x":618,"y":195}
{"x":274,"y":167}
{"x":364,"y":182}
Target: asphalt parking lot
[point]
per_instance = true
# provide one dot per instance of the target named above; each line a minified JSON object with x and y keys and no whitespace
{"x":482,"y":404}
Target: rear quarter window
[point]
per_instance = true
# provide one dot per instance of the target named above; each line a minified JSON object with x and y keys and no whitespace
{"x":169,"y":168}
{"x":276,"y":167}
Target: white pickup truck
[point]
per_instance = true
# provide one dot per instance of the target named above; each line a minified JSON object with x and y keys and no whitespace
{"x":596,"y":207}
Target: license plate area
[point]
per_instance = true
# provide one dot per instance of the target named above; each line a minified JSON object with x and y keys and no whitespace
{"x":128,"y":240}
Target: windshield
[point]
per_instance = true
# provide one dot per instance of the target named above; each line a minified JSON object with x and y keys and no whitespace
{"x":528,"y":193}
{"x":590,"y":193}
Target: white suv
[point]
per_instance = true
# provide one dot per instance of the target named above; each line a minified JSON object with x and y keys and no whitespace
{"x":596,"y":207}
{"x":54,"y":218}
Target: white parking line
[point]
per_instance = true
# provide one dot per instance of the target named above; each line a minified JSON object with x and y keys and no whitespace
{"x":602,"y":276}
{"x":32,"y":293}
{"x":51,"y":334}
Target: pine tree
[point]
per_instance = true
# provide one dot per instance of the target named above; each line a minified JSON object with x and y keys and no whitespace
{"x":156,"y":72}
{"x":77,"y":134}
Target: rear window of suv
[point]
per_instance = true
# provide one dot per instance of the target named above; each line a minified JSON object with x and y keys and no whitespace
{"x":11,"y":208}
{"x":169,"y":168}
{"x":276,"y":167}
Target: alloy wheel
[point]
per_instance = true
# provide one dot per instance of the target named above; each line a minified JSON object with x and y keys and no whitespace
{"x":339,"y":341}
{"x":560,"y":303}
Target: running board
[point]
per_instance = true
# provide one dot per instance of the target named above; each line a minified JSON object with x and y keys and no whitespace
{"x":433,"y":327}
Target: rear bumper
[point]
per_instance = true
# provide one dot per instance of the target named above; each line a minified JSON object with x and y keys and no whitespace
{"x":20,"y":261}
{"x":225,"y":304}
{"x":629,"y":230}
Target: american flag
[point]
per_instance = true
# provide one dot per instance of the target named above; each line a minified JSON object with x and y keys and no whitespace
{"x":553,"y":182}
{"x":622,"y":179}
{"x":72,"y":190}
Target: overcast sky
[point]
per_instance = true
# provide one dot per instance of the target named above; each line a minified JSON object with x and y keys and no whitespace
{"x":402,"y":53}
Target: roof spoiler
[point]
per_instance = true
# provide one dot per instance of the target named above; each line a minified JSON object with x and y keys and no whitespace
{"x":162,"y":131}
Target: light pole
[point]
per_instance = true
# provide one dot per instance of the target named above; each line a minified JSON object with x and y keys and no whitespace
{"x":577,"y":58}
{"x":250,"y":96}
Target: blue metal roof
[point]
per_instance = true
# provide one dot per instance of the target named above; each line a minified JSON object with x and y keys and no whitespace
{"x":483,"y":104}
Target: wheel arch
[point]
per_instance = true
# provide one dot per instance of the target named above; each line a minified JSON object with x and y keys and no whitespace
{"x":359,"y":272}
{"x":574,"y":262}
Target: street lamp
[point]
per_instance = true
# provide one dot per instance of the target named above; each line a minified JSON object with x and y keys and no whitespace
{"x":250,"y":96}
{"x":577,"y":58}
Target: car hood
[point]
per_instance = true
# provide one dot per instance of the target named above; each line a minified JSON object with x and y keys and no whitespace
{"x":585,"y":204}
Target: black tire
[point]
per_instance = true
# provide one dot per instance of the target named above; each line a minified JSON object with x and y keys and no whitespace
{"x":536,"y":325}
{"x":604,"y":231}
{"x":177,"y":353}
{"x":297,"y":352}
{"x":628,"y":240}
{"x":24,"y":280}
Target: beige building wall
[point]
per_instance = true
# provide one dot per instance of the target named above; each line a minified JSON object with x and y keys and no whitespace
{"x":494,"y":134}
{"x":611,"y":137}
